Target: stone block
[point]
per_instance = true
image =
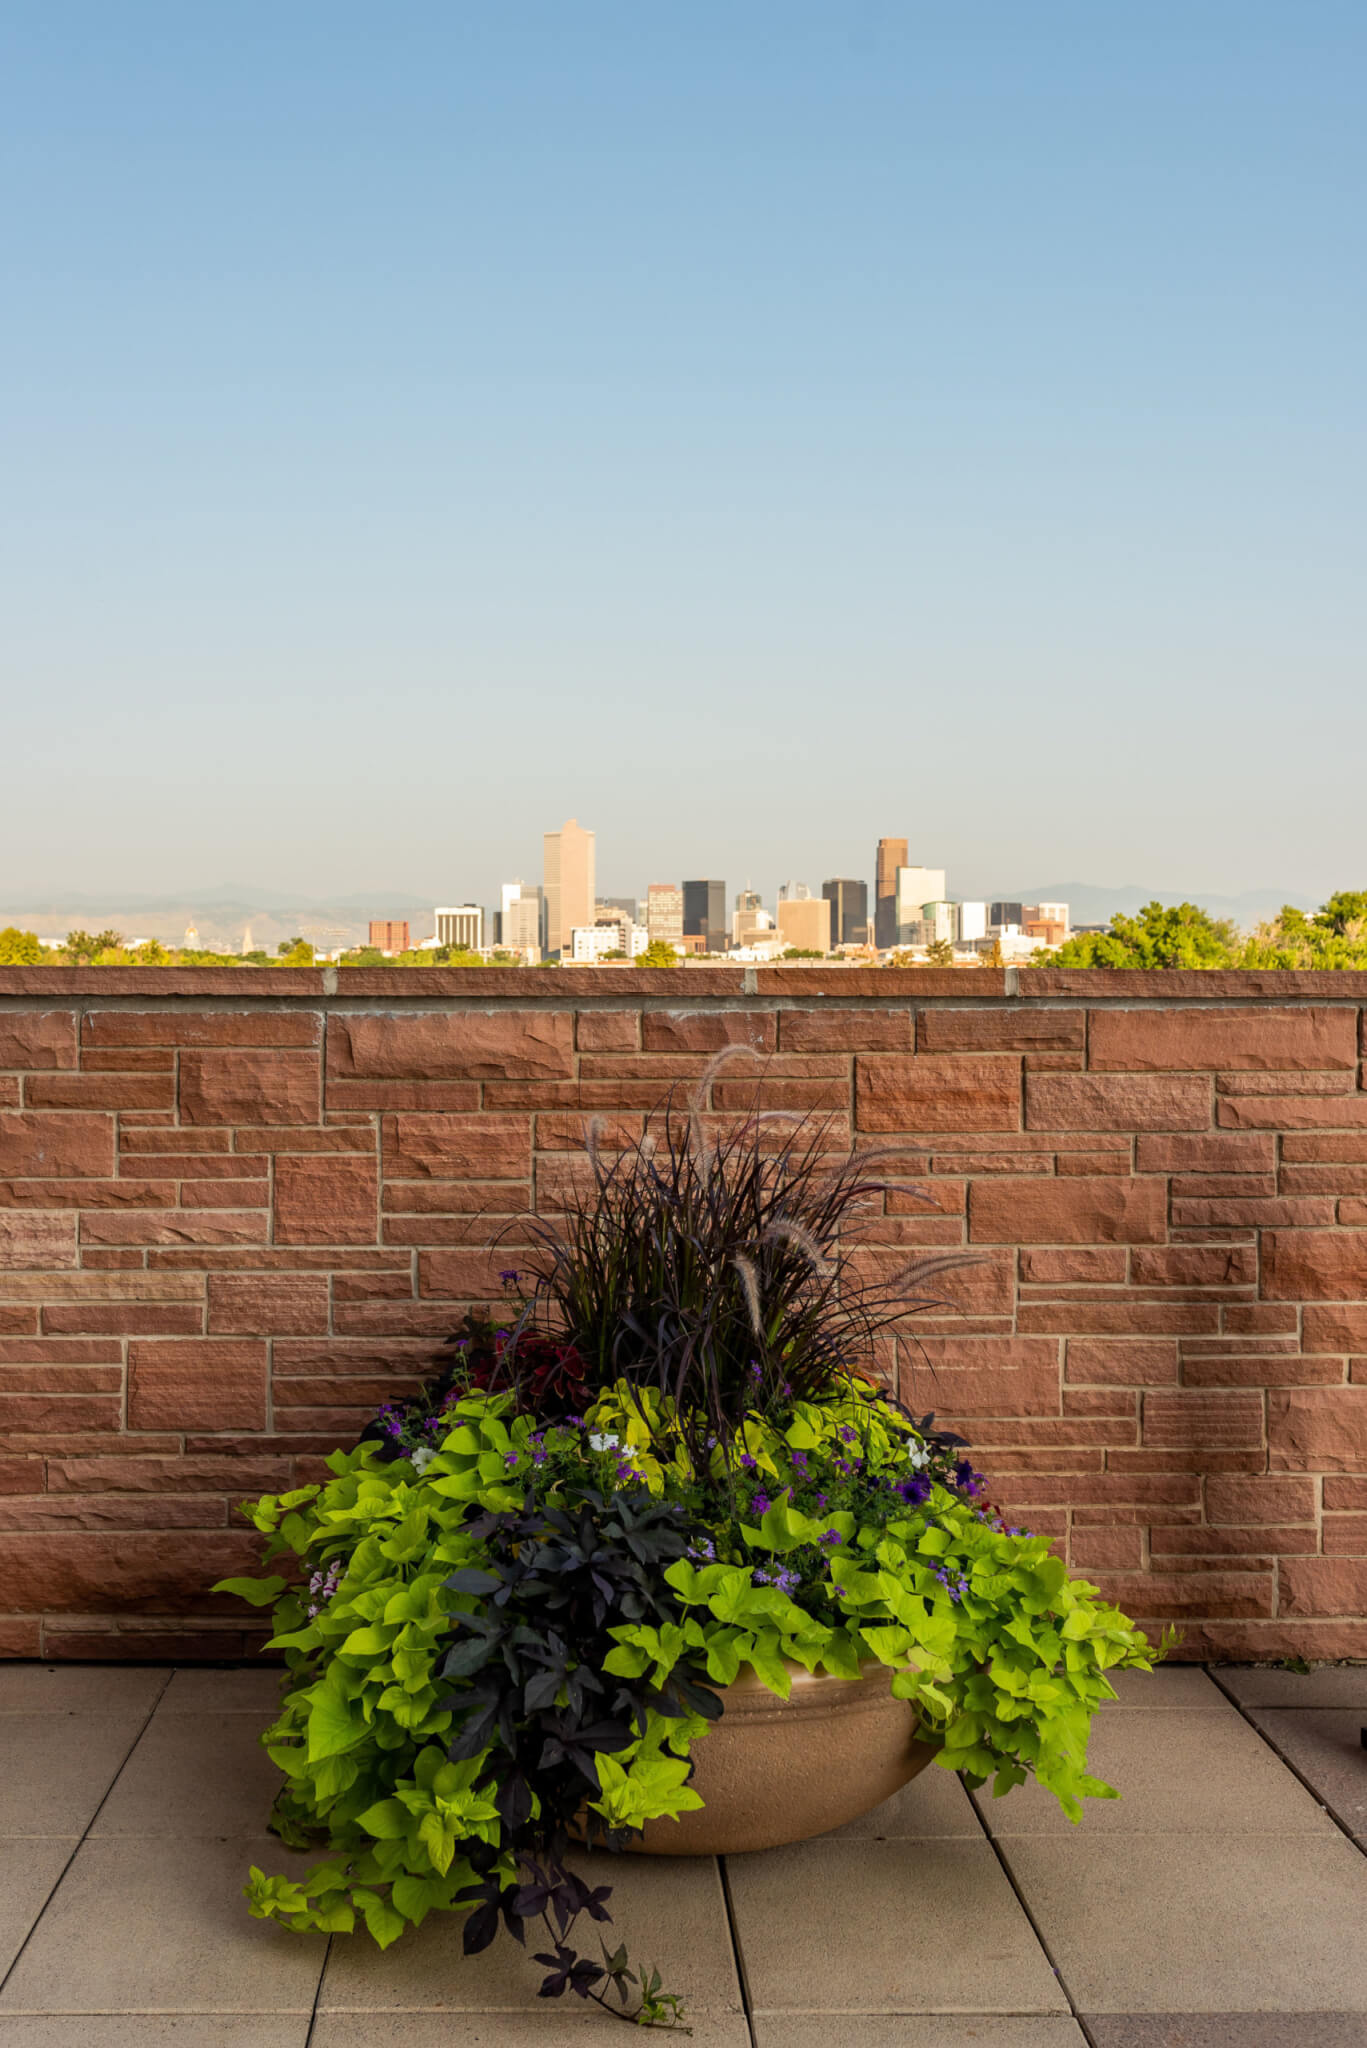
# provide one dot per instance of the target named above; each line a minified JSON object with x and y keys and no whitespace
{"x":938,"y":1092}
{"x":1139,"y":1362}
{"x":33,"y":1039}
{"x":708,"y":1030}
{"x":1315,"y":1265}
{"x":1203,"y":1421}
{"x":201,"y":1383}
{"x":846,"y":1030}
{"x":456,"y":1045}
{"x":326,"y":1199}
{"x":249,"y":1086}
{"x":1317,"y":1429}
{"x":1032,"y":1210}
{"x":1009,"y":1029}
{"x":268,"y":1304}
{"x":36,"y":1238}
{"x":1117,"y":1102}
{"x":1323,"y":1585}
{"x":608,"y":1030}
{"x":39,"y":1147}
{"x":1165,"y":1041}
{"x":458,"y":1147}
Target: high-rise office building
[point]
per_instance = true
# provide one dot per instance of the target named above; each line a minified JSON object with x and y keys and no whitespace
{"x":849,"y":903}
{"x":1006,"y":913}
{"x":389,"y":935}
{"x":704,"y":914}
{"x":892,"y":855}
{"x":915,"y":888}
{"x":794,"y":892}
{"x":521,"y":923}
{"x":616,"y":906}
{"x":972,"y":923}
{"x":805,"y":922}
{"x":569,"y":882}
{"x":749,"y":918}
{"x":460,"y":925}
{"x":664,"y":913}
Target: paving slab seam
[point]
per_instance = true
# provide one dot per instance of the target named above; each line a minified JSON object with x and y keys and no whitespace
{"x":318,"y":1992}
{"x":56,"y":1886}
{"x":1287,"y":1764}
{"x":737,"y":1951}
{"x":1035,"y":1929}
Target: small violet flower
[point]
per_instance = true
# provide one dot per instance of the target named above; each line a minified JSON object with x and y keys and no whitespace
{"x":848,"y":1435}
{"x":759,"y":1503}
{"x":831,"y":1538}
{"x":749,"y":1463}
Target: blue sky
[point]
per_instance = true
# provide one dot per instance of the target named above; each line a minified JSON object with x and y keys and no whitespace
{"x":749,"y":428}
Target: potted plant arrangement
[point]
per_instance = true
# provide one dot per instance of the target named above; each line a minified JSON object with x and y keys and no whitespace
{"x":650,"y":1562}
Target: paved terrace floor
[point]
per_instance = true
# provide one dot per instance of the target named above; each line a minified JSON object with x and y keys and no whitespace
{"x":1221,"y":1904}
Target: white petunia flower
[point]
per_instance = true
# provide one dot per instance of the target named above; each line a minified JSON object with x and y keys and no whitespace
{"x":422,"y":1457}
{"x":603,"y":1440}
{"x":918,"y":1457}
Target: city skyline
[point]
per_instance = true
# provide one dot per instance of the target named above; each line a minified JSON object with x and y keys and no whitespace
{"x":414,"y":437}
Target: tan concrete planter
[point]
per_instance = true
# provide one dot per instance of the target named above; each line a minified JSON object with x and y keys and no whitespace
{"x":773,"y":1771}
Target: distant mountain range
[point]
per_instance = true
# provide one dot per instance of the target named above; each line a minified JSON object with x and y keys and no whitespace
{"x":221,"y":914}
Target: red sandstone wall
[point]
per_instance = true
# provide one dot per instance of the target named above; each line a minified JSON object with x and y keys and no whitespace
{"x":237,"y":1211}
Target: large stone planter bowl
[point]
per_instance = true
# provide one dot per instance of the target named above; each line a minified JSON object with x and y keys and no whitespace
{"x":773,"y":1771}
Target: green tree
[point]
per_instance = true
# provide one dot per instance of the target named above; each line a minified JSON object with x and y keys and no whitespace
{"x":801,"y":953}
{"x":659,"y":953}
{"x":153,"y":954}
{"x":939,"y":953}
{"x":291,"y":945}
{"x":299,"y":953}
{"x":1162,"y":935}
{"x":20,"y":949}
{"x":1344,"y":915}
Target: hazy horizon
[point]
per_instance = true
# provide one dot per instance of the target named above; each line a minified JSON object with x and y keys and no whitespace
{"x":749,"y":431}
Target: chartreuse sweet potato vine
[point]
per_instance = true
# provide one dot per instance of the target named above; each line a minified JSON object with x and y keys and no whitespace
{"x":514,"y":1634}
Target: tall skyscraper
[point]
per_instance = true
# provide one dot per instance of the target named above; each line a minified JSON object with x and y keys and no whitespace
{"x":892,"y":854}
{"x":849,"y":903}
{"x":704,"y":914}
{"x":916,"y":887}
{"x":664,"y":913}
{"x":569,"y":882}
{"x":389,"y":934}
{"x":521,"y":924}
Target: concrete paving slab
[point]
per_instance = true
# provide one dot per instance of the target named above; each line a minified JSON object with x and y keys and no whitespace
{"x":155,"y":2030}
{"x":887,"y":1927}
{"x":224,"y":1692}
{"x":544,"y":2029}
{"x":1269,"y":1685}
{"x":80,"y":1688}
{"x":913,"y":2030}
{"x":669,"y":1911}
{"x":1180,"y":1686}
{"x":58,"y":1767}
{"x":1226,"y":2030}
{"x":1177,"y":1772}
{"x":29,"y":1868}
{"x":193,"y":1774}
{"x":1217,"y":1924}
{"x":935,"y":1803}
{"x":1325,"y":1745}
{"x":159,"y":1924}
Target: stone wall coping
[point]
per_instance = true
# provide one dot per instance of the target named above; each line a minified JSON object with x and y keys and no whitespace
{"x":558,"y":986}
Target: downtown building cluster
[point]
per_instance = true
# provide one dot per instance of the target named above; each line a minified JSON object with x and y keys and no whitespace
{"x":563,"y":917}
